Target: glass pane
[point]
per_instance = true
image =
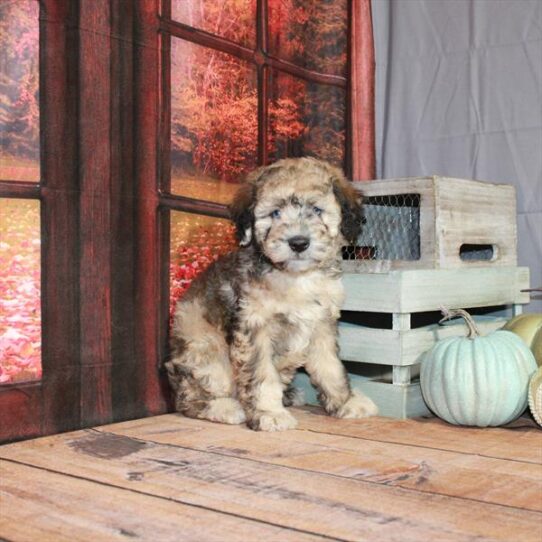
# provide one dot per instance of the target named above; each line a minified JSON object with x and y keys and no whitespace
{"x":306,"y":119}
{"x":214,"y":127}
{"x":310,"y":33}
{"x":20,"y":312}
{"x":231,"y":19}
{"x":196,"y":241}
{"x":19,"y":100}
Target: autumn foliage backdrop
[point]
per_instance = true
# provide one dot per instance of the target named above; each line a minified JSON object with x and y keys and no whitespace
{"x":214,"y":136}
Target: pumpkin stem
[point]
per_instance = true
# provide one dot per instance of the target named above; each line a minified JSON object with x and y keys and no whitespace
{"x":448,"y":314}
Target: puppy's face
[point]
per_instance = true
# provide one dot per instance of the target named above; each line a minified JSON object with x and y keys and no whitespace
{"x":297,"y":220}
{"x":299,"y":212}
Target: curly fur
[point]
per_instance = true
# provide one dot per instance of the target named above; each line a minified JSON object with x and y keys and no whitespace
{"x":258,"y":314}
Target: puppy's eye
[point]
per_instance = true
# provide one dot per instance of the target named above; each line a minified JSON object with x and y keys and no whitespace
{"x":275,"y":214}
{"x":317,"y":210}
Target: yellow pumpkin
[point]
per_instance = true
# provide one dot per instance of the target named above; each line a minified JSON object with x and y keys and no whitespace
{"x":529,"y":328}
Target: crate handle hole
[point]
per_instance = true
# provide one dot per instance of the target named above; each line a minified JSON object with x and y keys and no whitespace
{"x":473,"y":252}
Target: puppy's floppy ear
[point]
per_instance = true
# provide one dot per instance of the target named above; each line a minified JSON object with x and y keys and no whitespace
{"x":350,"y":201}
{"x":242,"y":212}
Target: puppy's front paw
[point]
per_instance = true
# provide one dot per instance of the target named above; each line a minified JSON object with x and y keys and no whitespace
{"x":273,"y":421}
{"x":357,"y":406}
{"x":225,"y":410}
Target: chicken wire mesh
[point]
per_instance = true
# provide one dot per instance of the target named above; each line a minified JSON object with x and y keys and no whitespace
{"x":391,"y":229}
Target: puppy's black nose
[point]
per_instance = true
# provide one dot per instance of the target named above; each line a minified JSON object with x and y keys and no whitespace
{"x":299,"y":243}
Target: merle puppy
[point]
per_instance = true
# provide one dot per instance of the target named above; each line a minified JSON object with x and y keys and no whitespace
{"x":258,"y":314}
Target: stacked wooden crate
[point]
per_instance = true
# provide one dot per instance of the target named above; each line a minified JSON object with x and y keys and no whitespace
{"x":427,"y":243}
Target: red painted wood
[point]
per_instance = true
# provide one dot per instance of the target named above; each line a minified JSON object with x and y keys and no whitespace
{"x":60,"y":229}
{"x":164,"y":157}
{"x":16,"y":189}
{"x":164,"y":183}
{"x":126,"y":378}
{"x":306,"y":74}
{"x":201,"y":37}
{"x":147,"y":270}
{"x":21,"y":411}
{"x":205,"y":39}
{"x":362,"y":89}
{"x":95,"y":209}
{"x":191,"y":205}
{"x":52,"y":405}
{"x":262,"y":47}
{"x":60,"y":399}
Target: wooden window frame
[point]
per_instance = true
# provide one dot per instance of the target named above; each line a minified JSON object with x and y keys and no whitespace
{"x":359,"y":153}
{"x":358,"y":84}
{"x":104,"y":210}
{"x":92,"y":373}
{"x":50,"y":404}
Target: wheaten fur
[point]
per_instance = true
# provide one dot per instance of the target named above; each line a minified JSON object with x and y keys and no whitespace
{"x":257,"y":315}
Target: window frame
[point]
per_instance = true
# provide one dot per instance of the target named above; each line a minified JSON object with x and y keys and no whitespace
{"x":99,"y":350}
{"x":50,"y":404}
{"x":359,"y":153}
{"x":105,"y":213}
{"x":359,"y":112}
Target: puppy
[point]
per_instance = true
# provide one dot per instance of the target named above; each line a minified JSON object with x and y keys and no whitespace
{"x":255,"y":316}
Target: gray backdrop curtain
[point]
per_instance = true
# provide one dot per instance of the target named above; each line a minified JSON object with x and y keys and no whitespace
{"x":459,"y":93}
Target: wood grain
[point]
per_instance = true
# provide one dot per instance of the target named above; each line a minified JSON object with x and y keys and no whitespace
{"x":60,"y":217}
{"x":452,"y":212}
{"x":523,"y":444}
{"x":433,"y":470}
{"x":362,"y":92}
{"x":95,"y":210}
{"x":147,"y":312}
{"x":418,"y":290}
{"x":21,"y":407}
{"x":50,"y":506}
{"x":330,"y":504}
{"x":402,"y":347}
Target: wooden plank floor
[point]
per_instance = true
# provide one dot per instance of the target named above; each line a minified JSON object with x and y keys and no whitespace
{"x":173,"y":478}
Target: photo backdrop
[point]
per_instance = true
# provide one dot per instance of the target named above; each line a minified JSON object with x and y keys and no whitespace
{"x":459,"y":93}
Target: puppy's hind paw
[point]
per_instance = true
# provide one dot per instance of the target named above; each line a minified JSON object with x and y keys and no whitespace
{"x":281,"y":420}
{"x":357,"y":406}
{"x":294,"y":397}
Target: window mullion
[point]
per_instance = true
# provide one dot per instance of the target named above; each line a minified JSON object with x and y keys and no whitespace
{"x":305,"y":73}
{"x":18,"y":189}
{"x":263,"y":114}
{"x":165,"y":113}
{"x":191,"y":205}
{"x":262,"y":46}
{"x":201,"y":37}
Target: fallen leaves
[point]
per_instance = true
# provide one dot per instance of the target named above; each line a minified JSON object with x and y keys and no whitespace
{"x":20,"y":302}
{"x":195,"y":246}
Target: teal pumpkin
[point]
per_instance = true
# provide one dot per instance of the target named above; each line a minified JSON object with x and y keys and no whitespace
{"x":475,"y":380}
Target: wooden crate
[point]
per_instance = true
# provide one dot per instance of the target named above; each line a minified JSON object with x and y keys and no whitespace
{"x":400,"y":402}
{"x":401,"y":292}
{"x":385,"y":362}
{"x":403,"y":347}
{"x":434,"y":223}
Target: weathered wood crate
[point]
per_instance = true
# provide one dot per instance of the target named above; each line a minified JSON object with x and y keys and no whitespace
{"x":434,"y":223}
{"x":384,"y":363}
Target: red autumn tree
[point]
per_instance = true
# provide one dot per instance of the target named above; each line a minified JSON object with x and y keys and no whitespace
{"x":215,"y":95}
{"x":19,"y":79}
